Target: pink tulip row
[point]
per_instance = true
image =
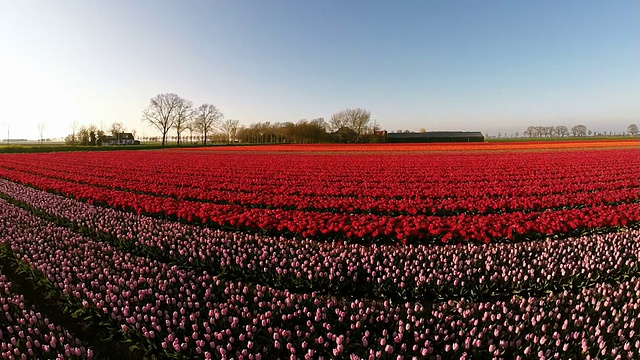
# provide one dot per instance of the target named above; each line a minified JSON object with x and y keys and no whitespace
{"x":182,"y":311}
{"x":401,"y":272}
{"x":194,"y":314}
{"x":25,"y":333}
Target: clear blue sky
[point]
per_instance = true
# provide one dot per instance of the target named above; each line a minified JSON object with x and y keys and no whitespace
{"x":475,"y":65}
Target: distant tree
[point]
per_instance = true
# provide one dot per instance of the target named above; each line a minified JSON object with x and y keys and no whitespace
{"x":355,"y":119}
{"x":162,"y":112}
{"x":528,"y":132}
{"x":633,"y":130}
{"x":579,"y":130}
{"x":359,"y":120}
{"x":116,"y":128}
{"x":562,"y":131}
{"x":82,"y":135}
{"x":318,"y":130}
{"x":99,"y":137}
{"x":589,"y":132}
{"x":422,"y":130}
{"x":41,"y":127}
{"x":305,"y":132}
{"x":534,"y":131}
{"x":320,"y":123}
{"x":184,"y":115}
{"x":74,"y":127}
{"x":517,"y":134}
{"x":191,"y":127}
{"x":93,"y":135}
{"x":338,"y":121}
{"x":230,"y":128}
{"x":207,"y":117}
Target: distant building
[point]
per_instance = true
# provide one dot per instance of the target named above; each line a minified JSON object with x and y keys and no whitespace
{"x":345,"y":135}
{"x":435,"y":136}
{"x":120,"y":139}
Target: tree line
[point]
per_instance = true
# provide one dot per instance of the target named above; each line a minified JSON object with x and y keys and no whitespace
{"x":562,"y":131}
{"x":170,"y":111}
{"x":90,"y":135}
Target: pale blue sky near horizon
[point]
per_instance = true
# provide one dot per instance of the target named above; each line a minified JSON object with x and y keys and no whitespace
{"x":493,"y":66}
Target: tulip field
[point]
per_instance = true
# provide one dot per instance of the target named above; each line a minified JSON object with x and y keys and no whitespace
{"x":425,"y":251}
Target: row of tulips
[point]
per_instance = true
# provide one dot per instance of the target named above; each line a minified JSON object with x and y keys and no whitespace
{"x":620,"y":191}
{"x":191,"y":314}
{"x":25,"y":333}
{"x":353,"y":227}
{"x":381,"y":271}
{"x":374,"y":175}
{"x":596,"y":186}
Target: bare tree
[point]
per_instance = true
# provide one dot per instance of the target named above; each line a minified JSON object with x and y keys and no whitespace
{"x":528,"y":132}
{"x":74,"y":127}
{"x":116,"y":128}
{"x":184,"y":116}
{"x":83,"y":135}
{"x":94,"y":134}
{"x":579,"y":130}
{"x":207,"y":117}
{"x":338,"y":120}
{"x":355,"y":119}
{"x":162,"y":112}
{"x":359,"y":119}
{"x":230,"y":128}
{"x":633,"y":129}
{"x":41,"y":127}
{"x":562,"y":131}
{"x":191,"y":127}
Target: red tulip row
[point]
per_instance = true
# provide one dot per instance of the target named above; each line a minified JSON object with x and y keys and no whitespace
{"x":358,"y":188}
{"x":379,"y":175}
{"x":353,"y":227}
{"x":405,"y":197}
{"x":616,"y":191}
